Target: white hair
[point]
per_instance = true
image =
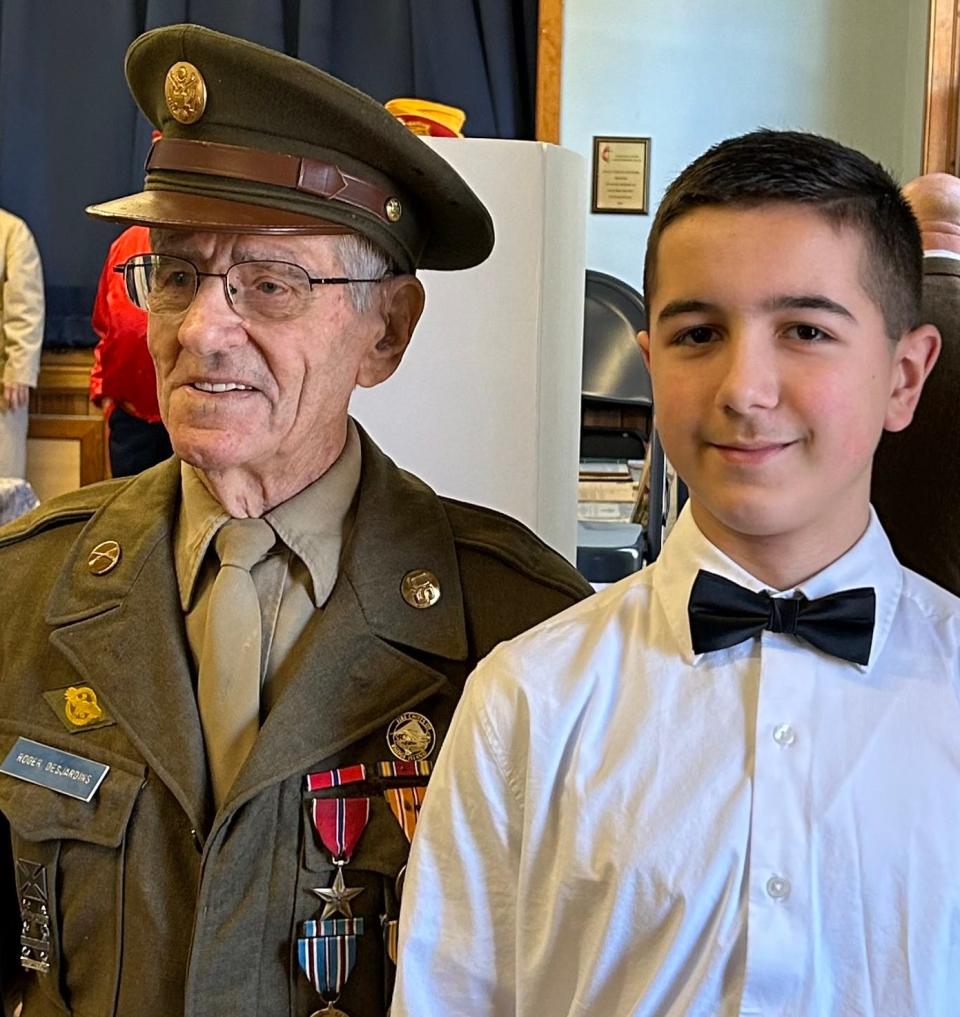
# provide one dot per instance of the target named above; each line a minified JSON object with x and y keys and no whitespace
{"x":361,"y":258}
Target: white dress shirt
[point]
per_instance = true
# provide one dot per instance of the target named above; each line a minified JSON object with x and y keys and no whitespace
{"x":617,"y":826}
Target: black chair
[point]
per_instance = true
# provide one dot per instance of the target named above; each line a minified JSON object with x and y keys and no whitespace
{"x":615,"y":378}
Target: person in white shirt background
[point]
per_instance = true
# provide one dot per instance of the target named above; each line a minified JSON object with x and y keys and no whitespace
{"x":21,"y":337}
{"x":729,"y":784}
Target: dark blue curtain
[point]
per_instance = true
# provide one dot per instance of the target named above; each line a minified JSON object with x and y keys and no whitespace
{"x":70,"y":134}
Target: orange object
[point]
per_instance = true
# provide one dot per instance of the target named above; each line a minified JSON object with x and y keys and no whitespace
{"x":432,"y":119}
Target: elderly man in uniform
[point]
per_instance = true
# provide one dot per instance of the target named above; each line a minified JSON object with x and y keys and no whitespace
{"x":224,"y":681}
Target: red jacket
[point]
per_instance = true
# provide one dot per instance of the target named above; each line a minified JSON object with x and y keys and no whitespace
{"x":122,"y":369}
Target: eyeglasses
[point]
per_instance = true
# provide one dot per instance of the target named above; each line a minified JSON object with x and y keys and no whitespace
{"x":256,"y":290}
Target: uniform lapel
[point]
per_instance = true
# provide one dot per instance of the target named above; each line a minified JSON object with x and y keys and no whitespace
{"x":123,"y":632}
{"x":358,"y":663}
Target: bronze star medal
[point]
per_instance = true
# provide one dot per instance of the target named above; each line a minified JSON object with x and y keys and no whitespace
{"x":337,"y":897}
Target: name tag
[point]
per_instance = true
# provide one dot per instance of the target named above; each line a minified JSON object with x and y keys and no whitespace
{"x":50,"y":768}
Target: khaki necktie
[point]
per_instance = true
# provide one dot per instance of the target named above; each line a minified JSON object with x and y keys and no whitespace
{"x":228,"y":688}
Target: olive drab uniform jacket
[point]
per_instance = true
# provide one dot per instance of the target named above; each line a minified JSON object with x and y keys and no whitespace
{"x":140,"y":901}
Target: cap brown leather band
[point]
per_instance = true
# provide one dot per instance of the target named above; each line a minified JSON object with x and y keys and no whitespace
{"x":295,"y":172}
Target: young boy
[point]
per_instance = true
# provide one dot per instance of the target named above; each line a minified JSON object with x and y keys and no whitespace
{"x":730,"y":784}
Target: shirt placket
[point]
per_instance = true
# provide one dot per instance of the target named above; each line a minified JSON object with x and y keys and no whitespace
{"x":779,"y":866}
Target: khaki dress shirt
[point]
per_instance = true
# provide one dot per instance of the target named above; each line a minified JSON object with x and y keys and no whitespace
{"x":296,"y":577}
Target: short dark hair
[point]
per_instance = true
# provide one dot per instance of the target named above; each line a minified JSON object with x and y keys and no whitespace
{"x":843,"y":185}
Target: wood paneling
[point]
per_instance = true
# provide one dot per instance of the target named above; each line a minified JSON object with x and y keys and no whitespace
{"x":86,"y":431}
{"x":61,"y":412}
{"x":63,"y":387}
{"x":942,"y":106}
{"x":549,"y":65}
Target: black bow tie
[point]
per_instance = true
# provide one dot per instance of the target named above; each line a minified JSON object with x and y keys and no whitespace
{"x":723,"y":614}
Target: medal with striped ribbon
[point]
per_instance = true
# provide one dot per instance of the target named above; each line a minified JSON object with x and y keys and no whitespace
{"x":405,"y":804}
{"x":339,"y":822}
{"x":327,"y":950}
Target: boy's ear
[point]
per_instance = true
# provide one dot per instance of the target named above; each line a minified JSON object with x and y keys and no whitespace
{"x":400,"y":309}
{"x":643,"y":341}
{"x":913,"y":360}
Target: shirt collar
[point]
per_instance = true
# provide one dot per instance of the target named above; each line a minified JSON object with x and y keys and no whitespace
{"x":201,"y":515}
{"x":312,"y":523}
{"x":870,"y":562}
{"x":939,"y":252}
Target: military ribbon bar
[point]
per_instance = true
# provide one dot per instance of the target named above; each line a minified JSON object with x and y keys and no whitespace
{"x":327,"y":961}
{"x":339,"y":822}
{"x":405,"y":802}
{"x":333,"y":927}
{"x":404,"y":768}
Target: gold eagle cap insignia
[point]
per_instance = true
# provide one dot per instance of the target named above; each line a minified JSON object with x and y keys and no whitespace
{"x":185,"y":92}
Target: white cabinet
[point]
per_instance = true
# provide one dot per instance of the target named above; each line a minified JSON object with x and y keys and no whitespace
{"x":486,"y":404}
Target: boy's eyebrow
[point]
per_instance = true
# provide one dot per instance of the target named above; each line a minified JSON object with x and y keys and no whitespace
{"x":808,"y":302}
{"x":798,"y":302}
{"x":677,"y":307}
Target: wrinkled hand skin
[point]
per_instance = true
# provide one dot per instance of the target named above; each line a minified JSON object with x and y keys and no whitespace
{"x":15,"y":395}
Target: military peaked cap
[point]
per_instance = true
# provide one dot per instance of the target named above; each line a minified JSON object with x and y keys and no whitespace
{"x":254,"y":141}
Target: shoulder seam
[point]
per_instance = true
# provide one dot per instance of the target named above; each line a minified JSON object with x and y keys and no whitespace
{"x":932,"y":612}
{"x":503,"y":554}
{"x":45,"y":522}
{"x":80,"y":506}
{"x":497,"y":751}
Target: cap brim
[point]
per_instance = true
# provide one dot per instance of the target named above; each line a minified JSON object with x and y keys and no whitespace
{"x":178,"y":210}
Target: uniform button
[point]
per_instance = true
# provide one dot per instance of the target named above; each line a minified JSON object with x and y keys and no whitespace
{"x":783,"y":734}
{"x":197,"y":840}
{"x":778,"y":887}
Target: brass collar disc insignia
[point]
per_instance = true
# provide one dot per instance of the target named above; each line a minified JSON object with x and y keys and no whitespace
{"x":104,"y":557}
{"x":420,"y":588}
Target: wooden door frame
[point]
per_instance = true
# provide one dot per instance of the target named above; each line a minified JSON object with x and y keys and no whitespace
{"x":942,"y":101}
{"x":549,"y":67}
{"x":941,"y":115}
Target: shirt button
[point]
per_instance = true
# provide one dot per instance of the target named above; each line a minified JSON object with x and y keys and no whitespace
{"x":783,"y":734}
{"x":778,"y":887}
